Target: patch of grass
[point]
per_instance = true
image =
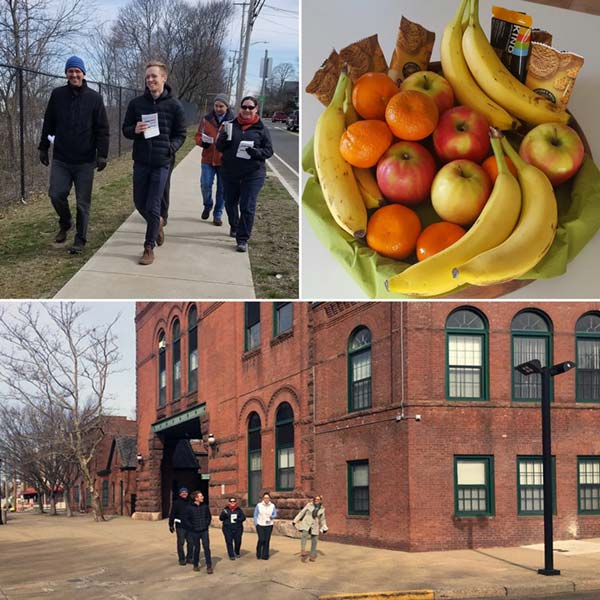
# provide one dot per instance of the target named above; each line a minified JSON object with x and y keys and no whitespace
{"x":274,"y":244}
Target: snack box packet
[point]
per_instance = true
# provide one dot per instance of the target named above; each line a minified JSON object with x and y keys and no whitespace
{"x":323,"y":83}
{"x":511,"y":38}
{"x":364,"y":56}
{"x":412,"y":53}
{"x":552,"y":73}
{"x":541,"y":36}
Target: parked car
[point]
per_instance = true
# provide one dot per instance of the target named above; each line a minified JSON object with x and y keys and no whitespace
{"x":279,"y":115}
{"x":293,"y":121}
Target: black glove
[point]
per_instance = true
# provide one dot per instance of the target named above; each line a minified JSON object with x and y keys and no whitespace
{"x":253,"y":152}
{"x":44,"y":157}
{"x":171,"y":529}
{"x":100,"y":164}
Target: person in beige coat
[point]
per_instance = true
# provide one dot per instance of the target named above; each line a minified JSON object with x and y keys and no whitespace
{"x":311,"y":521}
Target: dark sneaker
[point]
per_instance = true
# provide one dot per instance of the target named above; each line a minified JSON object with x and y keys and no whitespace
{"x":237,"y":556}
{"x":160,"y":239}
{"x":218,"y":221}
{"x":196,"y":568}
{"x":205,"y":214}
{"x":232,"y":558}
{"x":232,"y":232}
{"x":182,"y":563}
{"x":242,"y":247}
{"x":148,"y":257}
{"x":209,"y":569}
{"x":76,"y":248}
{"x":61,"y":236}
{"x":190,"y":561}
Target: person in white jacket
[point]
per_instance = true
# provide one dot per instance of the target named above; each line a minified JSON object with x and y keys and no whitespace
{"x":264,"y":513}
{"x":311,"y":521}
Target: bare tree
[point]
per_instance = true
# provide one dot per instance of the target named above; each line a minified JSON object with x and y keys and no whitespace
{"x":279,"y":75}
{"x":54,"y":363}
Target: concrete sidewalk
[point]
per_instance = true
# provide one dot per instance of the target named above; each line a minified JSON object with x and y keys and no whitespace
{"x":197,"y":260}
{"x":56,"y":557}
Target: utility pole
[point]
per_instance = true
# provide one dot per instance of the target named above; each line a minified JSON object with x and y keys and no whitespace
{"x":234,"y":62}
{"x":242,"y":77}
{"x":265,"y":72}
{"x":240,"y":53}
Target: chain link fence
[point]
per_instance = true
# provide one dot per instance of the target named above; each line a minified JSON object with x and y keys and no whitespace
{"x":24,"y":95}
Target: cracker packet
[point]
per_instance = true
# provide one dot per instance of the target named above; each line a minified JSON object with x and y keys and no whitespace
{"x":412,"y":52}
{"x":323,"y":83}
{"x":364,"y":56}
{"x":552,"y":73}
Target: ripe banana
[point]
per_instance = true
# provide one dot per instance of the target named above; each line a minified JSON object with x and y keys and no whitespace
{"x":457,"y":72}
{"x":336,"y":177}
{"x":367,"y":184}
{"x":530,"y":240}
{"x":433,"y":276}
{"x":499,"y":83}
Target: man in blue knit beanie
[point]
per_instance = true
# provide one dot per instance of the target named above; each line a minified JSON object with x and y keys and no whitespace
{"x":77,"y":119}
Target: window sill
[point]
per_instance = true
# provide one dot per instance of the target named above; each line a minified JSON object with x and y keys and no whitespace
{"x":278,"y":339}
{"x":249,"y":354}
{"x":470,"y":517}
{"x":359,"y":517}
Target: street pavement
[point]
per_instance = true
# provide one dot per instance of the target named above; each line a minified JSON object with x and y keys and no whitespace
{"x":55,"y":557}
{"x":285,"y":160}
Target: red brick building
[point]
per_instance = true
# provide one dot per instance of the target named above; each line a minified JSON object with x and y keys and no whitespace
{"x":241,"y":397}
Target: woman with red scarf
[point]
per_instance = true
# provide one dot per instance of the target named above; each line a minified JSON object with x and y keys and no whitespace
{"x":245,"y":150}
{"x":233,"y":518}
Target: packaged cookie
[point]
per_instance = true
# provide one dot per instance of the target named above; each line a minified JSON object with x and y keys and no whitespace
{"x":511,"y":37}
{"x":323,"y":83}
{"x":412,"y":52}
{"x":552,"y":73}
{"x":364,"y":56}
{"x":541,"y":36}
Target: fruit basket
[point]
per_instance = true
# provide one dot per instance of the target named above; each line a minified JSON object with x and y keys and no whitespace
{"x":578,"y":203}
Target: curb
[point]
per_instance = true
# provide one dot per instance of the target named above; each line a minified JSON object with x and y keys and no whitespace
{"x":404,"y":595}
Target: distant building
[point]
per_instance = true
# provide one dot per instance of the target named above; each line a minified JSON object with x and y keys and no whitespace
{"x":235,"y":398}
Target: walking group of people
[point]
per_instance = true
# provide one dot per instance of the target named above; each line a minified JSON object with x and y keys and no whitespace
{"x":190,"y":520}
{"x":234,"y":150}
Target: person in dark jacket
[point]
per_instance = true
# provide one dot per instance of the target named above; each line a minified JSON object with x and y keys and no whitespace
{"x":243,"y":168}
{"x":76,"y":117}
{"x":155,"y":122}
{"x":233,"y":518}
{"x":206,"y":137}
{"x":197,"y":521}
{"x":176,"y":525}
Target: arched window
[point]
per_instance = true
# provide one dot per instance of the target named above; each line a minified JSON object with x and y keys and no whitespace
{"x":176,"y":359}
{"x":162,"y":369}
{"x":359,"y":369}
{"x":531,"y":337}
{"x":466,"y":351}
{"x":193,"y":349}
{"x":587,"y":336}
{"x":284,"y":447}
{"x":254,"y":459}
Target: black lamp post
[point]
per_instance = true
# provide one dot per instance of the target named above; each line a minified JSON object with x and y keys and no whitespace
{"x":528,"y":368}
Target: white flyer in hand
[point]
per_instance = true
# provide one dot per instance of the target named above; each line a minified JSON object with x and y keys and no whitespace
{"x":244,"y":145}
{"x":152,"y":121}
{"x":207,"y":139}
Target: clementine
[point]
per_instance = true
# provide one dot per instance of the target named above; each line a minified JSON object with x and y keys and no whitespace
{"x":365,"y":142}
{"x":411,"y":115}
{"x":437,"y":237}
{"x":490,"y":166}
{"x":393,"y":230}
{"x":371,"y":93}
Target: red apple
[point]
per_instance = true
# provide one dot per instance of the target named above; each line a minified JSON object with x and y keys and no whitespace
{"x":462,"y":133}
{"x":459,"y":191}
{"x":555,"y":149}
{"x":405,"y":173}
{"x":433,"y":85}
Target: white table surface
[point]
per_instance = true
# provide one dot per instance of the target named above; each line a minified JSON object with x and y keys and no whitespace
{"x":328,"y":24}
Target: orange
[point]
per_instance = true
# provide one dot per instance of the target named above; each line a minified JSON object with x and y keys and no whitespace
{"x":393,"y":231}
{"x":437,"y":237}
{"x":364,"y":142}
{"x":371,"y":93}
{"x":412,"y":115}
{"x":490,"y":166}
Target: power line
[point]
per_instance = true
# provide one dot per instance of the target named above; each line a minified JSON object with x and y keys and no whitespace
{"x":293,"y":12}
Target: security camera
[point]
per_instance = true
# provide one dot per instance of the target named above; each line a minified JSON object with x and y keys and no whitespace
{"x":417,"y":417}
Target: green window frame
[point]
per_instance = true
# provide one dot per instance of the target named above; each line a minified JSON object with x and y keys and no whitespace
{"x":588,"y":485}
{"x":587,"y":352}
{"x":531,"y":337}
{"x":162,"y":370}
{"x":105,"y":493}
{"x":283,"y":317}
{"x":254,"y":458}
{"x":251,"y":326}
{"x":530,"y":485}
{"x":358,"y":487}
{"x":474,"y":486}
{"x":284,"y":448}
{"x":176,"y":359}
{"x":466,"y":355}
{"x":193,"y":349}
{"x":359,"y":369}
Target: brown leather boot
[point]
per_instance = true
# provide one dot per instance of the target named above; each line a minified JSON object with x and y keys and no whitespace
{"x":148,"y":257}
{"x":160,"y":239}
